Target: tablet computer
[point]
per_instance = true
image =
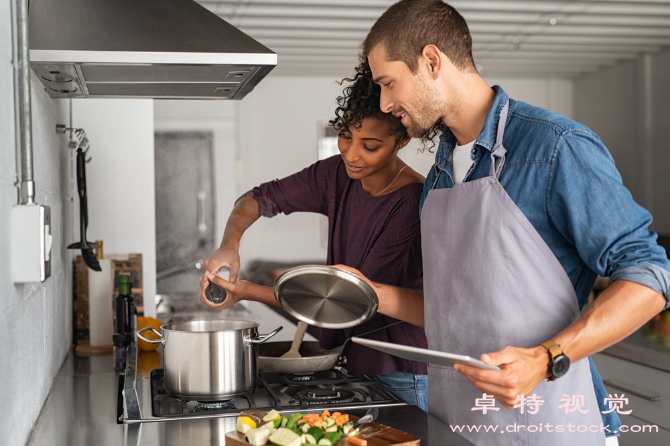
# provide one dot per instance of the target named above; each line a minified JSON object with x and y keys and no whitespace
{"x":422,"y":354}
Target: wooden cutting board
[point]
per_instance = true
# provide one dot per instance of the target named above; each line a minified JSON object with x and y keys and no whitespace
{"x":376,"y":434}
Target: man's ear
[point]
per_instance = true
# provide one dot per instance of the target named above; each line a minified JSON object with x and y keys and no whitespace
{"x":433,"y":60}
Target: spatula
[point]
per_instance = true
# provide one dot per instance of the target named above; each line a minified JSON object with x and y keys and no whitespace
{"x":294,"y":351}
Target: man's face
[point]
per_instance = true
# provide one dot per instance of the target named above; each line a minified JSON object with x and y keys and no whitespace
{"x":406,"y":94}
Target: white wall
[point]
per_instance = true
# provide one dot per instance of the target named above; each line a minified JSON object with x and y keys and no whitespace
{"x":35,"y":319}
{"x":627,"y":106}
{"x":120,"y":180}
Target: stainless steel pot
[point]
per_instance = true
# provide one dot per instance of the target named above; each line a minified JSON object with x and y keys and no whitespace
{"x":213,"y":360}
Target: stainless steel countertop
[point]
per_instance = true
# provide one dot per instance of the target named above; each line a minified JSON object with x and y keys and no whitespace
{"x":81,"y":410}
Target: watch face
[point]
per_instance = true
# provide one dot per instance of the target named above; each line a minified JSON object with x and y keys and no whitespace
{"x":561,"y":366}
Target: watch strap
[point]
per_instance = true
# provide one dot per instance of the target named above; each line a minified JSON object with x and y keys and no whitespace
{"x":553,"y":348}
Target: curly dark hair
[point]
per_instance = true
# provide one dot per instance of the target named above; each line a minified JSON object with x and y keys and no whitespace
{"x":360,"y":99}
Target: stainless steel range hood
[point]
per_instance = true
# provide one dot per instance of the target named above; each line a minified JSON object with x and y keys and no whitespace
{"x":142,"y":49}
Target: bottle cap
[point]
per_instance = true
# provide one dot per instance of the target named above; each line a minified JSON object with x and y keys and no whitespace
{"x":124,"y":284}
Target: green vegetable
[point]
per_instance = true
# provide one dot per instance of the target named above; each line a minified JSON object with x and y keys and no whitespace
{"x":304,"y":427}
{"x":307,"y":438}
{"x":315,"y":432}
{"x":330,"y":439}
{"x":332,"y":428}
{"x":272,"y":424}
{"x":284,"y":421}
{"x":285,"y":437}
{"x":294,"y":418}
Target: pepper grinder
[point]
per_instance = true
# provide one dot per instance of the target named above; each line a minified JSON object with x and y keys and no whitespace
{"x":214,"y":293}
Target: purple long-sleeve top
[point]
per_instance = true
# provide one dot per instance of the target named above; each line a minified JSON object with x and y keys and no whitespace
{"x":379,"y":236}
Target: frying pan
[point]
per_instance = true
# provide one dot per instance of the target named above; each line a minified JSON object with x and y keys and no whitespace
{"x":314,"y":358}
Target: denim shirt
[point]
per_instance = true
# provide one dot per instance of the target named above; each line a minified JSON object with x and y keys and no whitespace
{"x":563,"y":179}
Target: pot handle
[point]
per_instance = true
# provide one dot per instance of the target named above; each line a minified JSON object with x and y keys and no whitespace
{"x":150,"y":341}
{"x":262,"y":338}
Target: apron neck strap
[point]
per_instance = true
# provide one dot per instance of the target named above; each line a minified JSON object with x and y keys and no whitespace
{"x":498,"y":151}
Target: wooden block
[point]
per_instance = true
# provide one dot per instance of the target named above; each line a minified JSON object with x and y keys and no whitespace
{"x":376,"y":434}
{"x":86,"y":350}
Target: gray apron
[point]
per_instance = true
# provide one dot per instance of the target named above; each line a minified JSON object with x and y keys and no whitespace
{"x":491,"y":281}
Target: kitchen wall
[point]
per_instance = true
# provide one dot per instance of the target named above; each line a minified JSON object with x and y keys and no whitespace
{"x":627,"y":106}
{"x":35,"y":318}
{"x":120,"y":180}
{"x":273,"y":132}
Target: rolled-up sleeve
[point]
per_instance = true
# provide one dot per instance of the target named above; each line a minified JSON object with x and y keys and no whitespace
{"x":647,"y":274}
{"x":597,"y":215}
{"x":303,"y":191}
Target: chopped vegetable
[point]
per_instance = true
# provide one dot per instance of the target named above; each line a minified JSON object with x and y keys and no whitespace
{"x":330,"y":439}
{"x":245,"y":424}
{"x":258,"y":437}
{"x":271,"y":424}
{"x":285,"y":437}
{"x":284,"y":421}
{"x":294,"y":419}
{"x":332,"y":428}
{"x":272,"y":415}
{"x":316,"y":433}
{"x":325,"y":414}
{"x":307,"y":438}
{"x":357,"y":441}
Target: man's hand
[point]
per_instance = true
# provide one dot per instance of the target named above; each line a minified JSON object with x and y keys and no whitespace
{"x":224,"y":258}
{"x":236,"y":291}
{"x":521,"y":370}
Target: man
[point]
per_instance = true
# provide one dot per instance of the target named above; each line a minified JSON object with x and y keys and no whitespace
{"x":521,"y":211}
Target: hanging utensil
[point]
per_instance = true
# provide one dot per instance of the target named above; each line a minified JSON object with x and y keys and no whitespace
{"x":87,"y":248}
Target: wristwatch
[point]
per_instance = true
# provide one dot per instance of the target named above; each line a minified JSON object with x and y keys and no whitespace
{"x":559,"y":362}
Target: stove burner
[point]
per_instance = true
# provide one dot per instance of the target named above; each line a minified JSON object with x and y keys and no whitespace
{"x":213,"y":405}
{"x":326,"y":396}
{"x":303,"y":376}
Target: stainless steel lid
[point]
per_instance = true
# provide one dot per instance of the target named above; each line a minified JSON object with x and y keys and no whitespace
{"x":325,"y":296}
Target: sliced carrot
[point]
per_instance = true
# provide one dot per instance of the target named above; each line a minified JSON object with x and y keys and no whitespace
{"x":339,"y":421}
{"x":357,"y":441}
{"x":335,"y":415}
{"x":325,"y":414}
{"x":346,"y":418}
{"x":318,"y":423}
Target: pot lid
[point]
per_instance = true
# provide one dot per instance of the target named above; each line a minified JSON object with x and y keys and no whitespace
{"x":325,"y":296}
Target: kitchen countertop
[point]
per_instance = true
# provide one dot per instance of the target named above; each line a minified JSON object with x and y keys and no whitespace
{"x":81,"y":410}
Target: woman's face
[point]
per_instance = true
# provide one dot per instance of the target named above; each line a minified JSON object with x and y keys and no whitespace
{"x":367,"y":150}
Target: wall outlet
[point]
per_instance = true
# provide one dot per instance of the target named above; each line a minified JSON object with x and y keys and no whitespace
{"x":31,"y":243}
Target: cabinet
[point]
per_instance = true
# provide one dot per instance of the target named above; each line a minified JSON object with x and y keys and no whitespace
{"x":624,"y":377}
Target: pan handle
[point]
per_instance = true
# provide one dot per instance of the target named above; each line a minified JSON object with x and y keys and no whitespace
{"x":261,"y":338}
{"x":150,"y":341}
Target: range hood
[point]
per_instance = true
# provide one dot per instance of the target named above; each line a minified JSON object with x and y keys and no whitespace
{"x":142,"y":49}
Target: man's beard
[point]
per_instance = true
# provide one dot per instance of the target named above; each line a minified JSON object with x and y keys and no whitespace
{"x":428,"y":110}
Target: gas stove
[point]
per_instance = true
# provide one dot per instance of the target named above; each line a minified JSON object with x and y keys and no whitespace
{"x":143,"y":398}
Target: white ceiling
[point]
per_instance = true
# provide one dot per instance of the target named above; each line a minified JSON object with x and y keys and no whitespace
{"x":520,"y":38}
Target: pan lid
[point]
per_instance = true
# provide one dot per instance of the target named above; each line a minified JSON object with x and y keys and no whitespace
{"x":325,"y":296}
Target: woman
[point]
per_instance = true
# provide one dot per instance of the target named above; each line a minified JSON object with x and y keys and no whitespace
{"x":371,"y":198}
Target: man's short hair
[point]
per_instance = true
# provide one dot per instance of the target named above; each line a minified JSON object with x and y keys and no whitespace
{"x":409,"y":25}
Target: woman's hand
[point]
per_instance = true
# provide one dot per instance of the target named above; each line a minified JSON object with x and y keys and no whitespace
{"x":224,"y":258}
{"x":236,"y":291}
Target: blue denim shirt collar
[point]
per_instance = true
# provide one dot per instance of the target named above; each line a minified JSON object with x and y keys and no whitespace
{"x":486,"y":139}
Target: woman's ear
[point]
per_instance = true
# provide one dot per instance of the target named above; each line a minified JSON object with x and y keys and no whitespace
{"x":403,"y":142}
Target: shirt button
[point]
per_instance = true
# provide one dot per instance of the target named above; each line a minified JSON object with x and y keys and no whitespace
{"x":474,"y":151}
